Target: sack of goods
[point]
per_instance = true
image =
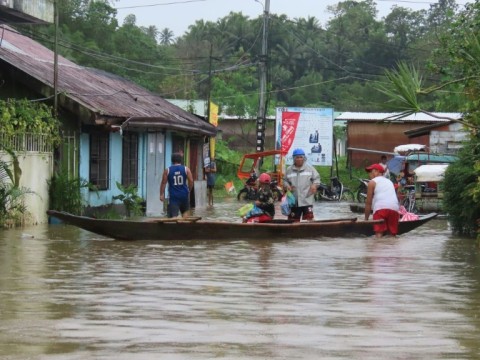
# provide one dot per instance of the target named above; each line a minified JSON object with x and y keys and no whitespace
{"x":256,"y":211}
{"x":288,"y":201}
{"x":249,"y":211}
{"x":245,"y":209}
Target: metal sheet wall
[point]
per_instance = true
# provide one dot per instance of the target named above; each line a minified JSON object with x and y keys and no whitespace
{"x":377,"y":136}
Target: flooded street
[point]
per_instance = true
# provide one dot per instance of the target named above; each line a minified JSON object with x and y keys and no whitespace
{"x":69,"y":294}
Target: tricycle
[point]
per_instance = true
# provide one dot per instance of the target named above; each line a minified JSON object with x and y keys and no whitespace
{"x":252,"y":165}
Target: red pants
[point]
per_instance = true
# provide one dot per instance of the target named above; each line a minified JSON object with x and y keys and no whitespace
{"x":390,"y":221}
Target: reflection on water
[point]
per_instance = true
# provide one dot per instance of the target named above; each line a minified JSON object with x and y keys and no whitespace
{"x":69,"y":294}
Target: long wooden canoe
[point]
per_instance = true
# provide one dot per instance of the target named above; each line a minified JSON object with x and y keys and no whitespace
{"x":197,"y":229}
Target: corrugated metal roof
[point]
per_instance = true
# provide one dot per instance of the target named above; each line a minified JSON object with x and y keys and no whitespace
{"x":107,"y":96}
{"x":393,"y":116}
{"x":200,"y":109}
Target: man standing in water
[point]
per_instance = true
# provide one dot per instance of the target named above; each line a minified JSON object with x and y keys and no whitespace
{"x":210,"y":171}
{"x":180,"y":184}
{"x":303,"y":180}
{"x":382,"y":197}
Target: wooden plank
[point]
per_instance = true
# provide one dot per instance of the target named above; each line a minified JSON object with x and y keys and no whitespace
{"x":352,"y":219}
{"x":188,"y":219}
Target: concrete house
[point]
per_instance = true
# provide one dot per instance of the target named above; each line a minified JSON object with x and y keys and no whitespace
{"x":114,"y":130}
{"x":442,"y":138}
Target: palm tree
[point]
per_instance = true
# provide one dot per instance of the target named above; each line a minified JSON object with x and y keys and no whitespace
{"x":167,"y":37}
{"x":151,"y":31}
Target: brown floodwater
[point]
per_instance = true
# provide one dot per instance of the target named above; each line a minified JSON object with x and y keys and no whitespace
{"x":69,"y":294}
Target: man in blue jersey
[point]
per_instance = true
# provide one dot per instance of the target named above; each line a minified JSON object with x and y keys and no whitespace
{"x":180,"y":184}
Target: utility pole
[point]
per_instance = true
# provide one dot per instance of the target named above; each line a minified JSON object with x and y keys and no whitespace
{"x":209,"y":82}
{"x":55,"y":60}
{"x":261,"y":116}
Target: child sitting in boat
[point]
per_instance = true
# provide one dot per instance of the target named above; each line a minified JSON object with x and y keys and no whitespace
{"x":264,"y":207}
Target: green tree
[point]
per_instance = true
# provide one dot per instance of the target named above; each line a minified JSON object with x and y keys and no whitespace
{"x":460,"y":68}
{"x":23,"y":116}
{"x":167,"y":36}
{"x":403,"y":28}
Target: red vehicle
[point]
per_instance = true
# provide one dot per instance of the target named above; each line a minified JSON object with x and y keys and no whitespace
{"x":252,"y":165}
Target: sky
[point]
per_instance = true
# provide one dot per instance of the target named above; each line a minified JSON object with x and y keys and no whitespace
{"x":178,"y":15}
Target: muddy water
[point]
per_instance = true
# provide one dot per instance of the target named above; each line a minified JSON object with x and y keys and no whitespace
{"x":69,"y":294}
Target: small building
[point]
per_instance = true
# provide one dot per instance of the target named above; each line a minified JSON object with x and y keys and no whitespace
{"x":114,"y":130}
{"x":381,"y":132}
{"x":442,"y":138}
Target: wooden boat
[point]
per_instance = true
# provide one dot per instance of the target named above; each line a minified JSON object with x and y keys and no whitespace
{"x":357,"y":208}
{"x":197,"y":229}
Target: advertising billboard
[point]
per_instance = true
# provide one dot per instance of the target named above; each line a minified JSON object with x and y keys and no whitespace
{"x":310,"y":129}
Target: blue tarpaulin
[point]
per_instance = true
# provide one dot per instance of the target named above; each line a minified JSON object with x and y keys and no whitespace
{"x":395,"y":164}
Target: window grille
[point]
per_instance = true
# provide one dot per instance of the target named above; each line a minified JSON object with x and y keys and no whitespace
{"x":130,"y":159}
{"x":99,"y":160}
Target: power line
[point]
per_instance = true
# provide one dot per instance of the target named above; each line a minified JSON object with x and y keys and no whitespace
{"x":159,"y":4}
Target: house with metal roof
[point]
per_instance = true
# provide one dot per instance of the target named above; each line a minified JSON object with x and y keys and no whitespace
{"x":115,"y":130}
{"x":380,"y":132}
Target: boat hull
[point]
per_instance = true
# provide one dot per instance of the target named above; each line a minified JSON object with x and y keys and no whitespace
{"x":217,"y":230}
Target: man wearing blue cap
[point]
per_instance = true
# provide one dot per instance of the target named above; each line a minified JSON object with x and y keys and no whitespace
{"x":302,"y":180}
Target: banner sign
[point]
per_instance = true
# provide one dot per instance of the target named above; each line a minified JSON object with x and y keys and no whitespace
{"x":213,"y":116}
{"x":289,"y":128}
{"x":310,"y":129}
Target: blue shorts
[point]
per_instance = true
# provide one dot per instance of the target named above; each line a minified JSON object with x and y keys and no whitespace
{"x":177,"y":207}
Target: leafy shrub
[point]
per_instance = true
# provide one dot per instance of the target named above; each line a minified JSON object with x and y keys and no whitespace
{"x":134,"y":204}
{"x":462,"y":192}
{"x":12,"y":205}
{"x":65,"y":193}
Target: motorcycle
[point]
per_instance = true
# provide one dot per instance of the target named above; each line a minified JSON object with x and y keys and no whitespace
{"x":249,"y":191}
{"x":334,"y":192}
{"x":361,"y":192}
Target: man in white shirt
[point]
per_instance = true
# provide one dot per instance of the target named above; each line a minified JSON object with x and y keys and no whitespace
{"x":382,"y":199}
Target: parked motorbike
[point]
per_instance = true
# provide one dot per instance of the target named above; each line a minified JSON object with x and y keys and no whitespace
{"x":249,"y":191}
{"x":361,"y":192}
{"x":335,"y":191}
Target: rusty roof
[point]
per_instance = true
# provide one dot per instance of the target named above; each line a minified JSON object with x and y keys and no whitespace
{"x":109,"y":98}
{"x":435,"y":117}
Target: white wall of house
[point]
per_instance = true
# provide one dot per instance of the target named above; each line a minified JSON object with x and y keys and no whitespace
{"x":37,"y":169}
{"x":448,"y":142}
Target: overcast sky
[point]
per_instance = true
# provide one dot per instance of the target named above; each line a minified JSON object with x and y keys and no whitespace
{"x":177,"y":15}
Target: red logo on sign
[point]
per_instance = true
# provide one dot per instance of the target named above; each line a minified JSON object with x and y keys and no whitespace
{"x":289,"y":128}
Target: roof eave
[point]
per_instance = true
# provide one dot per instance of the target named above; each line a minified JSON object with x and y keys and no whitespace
{"x":162,"y":124}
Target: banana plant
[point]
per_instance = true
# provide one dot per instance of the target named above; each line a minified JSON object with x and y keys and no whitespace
{"x":12,"y":204}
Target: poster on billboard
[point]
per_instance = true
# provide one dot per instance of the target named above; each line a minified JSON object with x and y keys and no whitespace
{"x":310,"y":129}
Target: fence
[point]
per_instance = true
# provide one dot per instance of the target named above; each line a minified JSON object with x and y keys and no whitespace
{"x":26,"y":142}
{"x":68,"y":155}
